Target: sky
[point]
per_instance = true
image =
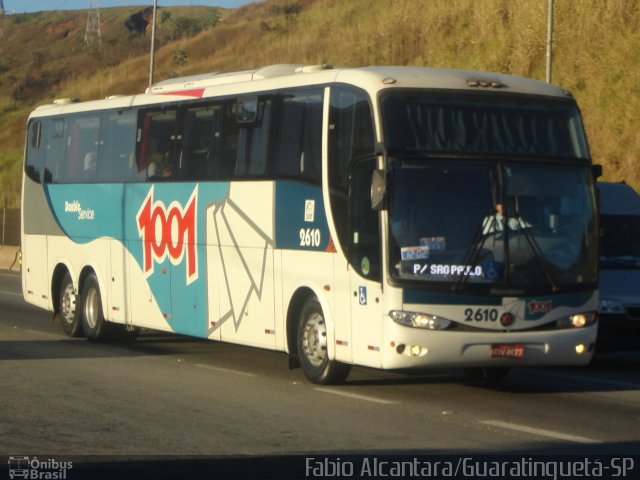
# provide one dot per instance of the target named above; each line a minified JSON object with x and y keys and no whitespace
{"x":23,"y":6}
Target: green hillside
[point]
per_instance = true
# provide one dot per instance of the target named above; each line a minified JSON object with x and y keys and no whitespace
{"x":596,"y":44}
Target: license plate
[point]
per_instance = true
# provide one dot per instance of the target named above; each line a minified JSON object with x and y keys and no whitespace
{"x":507,"y":350}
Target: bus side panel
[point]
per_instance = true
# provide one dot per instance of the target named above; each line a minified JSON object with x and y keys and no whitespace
{"x":89,"y":219}
{"x":117,"y":309}
{"x":342,"y":309}
{"x":144,"y":308}
{"x":167,"y":235}
{"x":37,"y":223}
{"x":35,"y":275}
{"x":241,"y":230}
{"x":149,"y":291}
{"x":366,"y":321}
{"x":307,"y":252}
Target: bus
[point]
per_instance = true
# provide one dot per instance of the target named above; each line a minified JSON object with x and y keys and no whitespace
{"x":399,"y":218}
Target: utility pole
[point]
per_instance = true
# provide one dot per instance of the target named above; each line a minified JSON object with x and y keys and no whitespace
{"x":153,"y":42}
{"x":93,"y":34}
{"x":549,"y":38}
{"x":1,"y":8}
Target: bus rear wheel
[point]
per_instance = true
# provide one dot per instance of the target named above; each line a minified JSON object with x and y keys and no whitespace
{"x":93,"y":323}
{"x":68,"y":308}
{"x":312,"y":347}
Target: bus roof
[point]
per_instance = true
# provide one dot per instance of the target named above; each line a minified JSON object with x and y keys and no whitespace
{"x":277,"y":76}
{"x":367,"y":77}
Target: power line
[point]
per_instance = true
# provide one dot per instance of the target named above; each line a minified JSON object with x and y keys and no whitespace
{"x":92,"y":34}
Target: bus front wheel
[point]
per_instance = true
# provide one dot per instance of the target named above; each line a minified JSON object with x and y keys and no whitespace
{"x":312,"y":347}
{"x":68,"y":308}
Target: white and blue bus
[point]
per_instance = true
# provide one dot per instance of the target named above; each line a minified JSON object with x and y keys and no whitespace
{"x":389,"y":217}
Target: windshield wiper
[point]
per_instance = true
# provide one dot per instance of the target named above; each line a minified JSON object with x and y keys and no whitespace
{"x":537,"y":252}
{"x":489,"y":224}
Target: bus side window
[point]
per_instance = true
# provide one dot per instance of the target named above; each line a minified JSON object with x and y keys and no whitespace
{"x":83,"y":142}
{"x":35,"y":151}
{"x":253,"y":137}
{"x":56,"y":150}
{"x":258,"y":146}
{"x":227,"y":143}
{"x":197,"y":134}
{"x":298,"y":146}
{"x":117,"y":146}
{"x":157,"y":143}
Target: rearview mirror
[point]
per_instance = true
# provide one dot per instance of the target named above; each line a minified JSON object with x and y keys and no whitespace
{"x":378,"y":189}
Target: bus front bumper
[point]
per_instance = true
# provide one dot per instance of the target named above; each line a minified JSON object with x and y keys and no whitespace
{"x":407,"y":347}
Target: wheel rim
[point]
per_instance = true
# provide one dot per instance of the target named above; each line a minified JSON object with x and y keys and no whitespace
{"x":68,"y":304}
{"x":314,"y":339}
{"x":91,"y":307}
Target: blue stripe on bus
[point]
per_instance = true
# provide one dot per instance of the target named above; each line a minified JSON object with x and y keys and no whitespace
{"x":301,"y":223}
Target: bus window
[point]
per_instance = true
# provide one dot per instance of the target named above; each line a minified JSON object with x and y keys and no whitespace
{"x":157,"y":143}
{"x":197,"y":136}
{"x":82,"y":149}
{"x":242,"y":144}
{"x":257,"y":145}
{"x":298,"y":145}
{"x":117,"y":148}
{"x":35,"y":152}
{"x":56,"y":150}
{"x":226,"y":142}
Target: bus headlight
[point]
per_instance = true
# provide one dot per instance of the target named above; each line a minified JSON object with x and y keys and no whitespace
{"x":580,"y":320}
{"x":609,"y":305}
{"x":420,"y":320}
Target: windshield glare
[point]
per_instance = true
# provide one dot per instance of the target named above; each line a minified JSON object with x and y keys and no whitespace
{"x":491,"y":223}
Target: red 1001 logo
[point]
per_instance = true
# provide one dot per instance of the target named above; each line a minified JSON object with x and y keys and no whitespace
{"x":169,"y":232}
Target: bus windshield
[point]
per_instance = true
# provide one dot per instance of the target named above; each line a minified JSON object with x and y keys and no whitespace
{"x":459,"y":222}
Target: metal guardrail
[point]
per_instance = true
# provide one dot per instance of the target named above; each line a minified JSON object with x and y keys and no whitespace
{"x":9,"y":226}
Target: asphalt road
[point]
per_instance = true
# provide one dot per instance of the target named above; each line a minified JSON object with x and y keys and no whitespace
{"x":174,"y":396}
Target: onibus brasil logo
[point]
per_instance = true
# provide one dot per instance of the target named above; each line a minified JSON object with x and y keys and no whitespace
{"x":33,"y":468}
{"x":169,"y":231}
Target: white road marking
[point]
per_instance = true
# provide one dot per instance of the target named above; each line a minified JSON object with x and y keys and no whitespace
{"x":2,"y":292}
{"x":539,"y":431}
{"x":224,"y":370}
{"x":356,"y":396}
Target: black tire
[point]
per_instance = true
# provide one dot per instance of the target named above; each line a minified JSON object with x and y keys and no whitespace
{"x":312,"y":347}
{"x":68,"y":308}
{"x":487,"y":374}
{"x":95,"y":327}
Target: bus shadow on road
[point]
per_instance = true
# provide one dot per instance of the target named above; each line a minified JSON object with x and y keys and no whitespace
{"x":66,"y":349}
{"x":608,"y":377}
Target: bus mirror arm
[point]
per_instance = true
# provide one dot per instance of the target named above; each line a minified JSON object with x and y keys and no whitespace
{"x":378,"y":189}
